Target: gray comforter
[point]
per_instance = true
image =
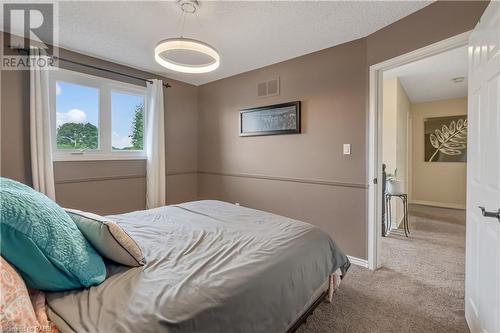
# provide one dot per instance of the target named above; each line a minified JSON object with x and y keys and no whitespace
{"x":211,"y":267}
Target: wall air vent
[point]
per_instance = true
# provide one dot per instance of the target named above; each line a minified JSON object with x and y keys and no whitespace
{"x":273,"y":87}
{"x":262,"y":89}
{"x":268,"y":88}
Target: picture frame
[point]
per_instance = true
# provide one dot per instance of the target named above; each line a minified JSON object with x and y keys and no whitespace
{"x":274,"y":119}
{"x":445,"y":139}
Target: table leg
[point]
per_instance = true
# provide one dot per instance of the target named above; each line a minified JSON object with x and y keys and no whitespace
{"x":389,"y":214}
{"x":384,"y":216}
{"x":405,"y":217}
{"x":406,"y":214}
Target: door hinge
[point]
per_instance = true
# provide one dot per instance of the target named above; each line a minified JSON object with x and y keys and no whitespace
{"x":375,"y":181}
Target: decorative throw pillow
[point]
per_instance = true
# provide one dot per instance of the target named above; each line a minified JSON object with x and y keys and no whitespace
{"x":39,"y":305}
{"x":108,"y":238}
{"x":43,"y":242}
{"x":17,"y":313}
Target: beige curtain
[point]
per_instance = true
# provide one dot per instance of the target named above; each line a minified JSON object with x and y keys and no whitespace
{"x":155,"y":146}
{"x":40,"y":126}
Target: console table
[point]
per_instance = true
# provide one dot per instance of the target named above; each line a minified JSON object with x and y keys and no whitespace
{"x":404,"y":199}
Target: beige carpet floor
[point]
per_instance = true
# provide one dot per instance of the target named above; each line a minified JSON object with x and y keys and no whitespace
{"x":420,"y":287}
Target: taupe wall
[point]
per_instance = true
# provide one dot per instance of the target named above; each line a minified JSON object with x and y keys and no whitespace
{"x":433,"y":23}
{"x":302,"y":176}
{"x":326,"y":188}
{"x":104,"y":186}
{"x":14,"y":118}
{"x":306,"y":176}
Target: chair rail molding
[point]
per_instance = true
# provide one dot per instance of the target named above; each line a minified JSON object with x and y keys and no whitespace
{"x":287,"y":179}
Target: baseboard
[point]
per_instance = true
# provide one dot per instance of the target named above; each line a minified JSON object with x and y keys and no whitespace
{"x":438,"y":204}
{"x":358,"y":261}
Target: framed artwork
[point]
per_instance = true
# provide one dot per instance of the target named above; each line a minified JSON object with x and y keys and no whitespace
{"x":446,"y":139}
{"x":271,"y":120}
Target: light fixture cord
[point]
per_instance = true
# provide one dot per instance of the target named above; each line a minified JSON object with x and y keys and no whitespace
{"x":179,"y":24}
{"x":198,"y":20}
{"x":183,"y":22}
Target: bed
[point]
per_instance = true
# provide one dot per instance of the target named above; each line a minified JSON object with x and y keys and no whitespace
{"x":211,"y":267}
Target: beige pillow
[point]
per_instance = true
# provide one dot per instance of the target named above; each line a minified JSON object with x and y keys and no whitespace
{"x":108,"y":238}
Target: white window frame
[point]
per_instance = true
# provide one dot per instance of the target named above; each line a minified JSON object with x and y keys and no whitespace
{"x":105,"y":87}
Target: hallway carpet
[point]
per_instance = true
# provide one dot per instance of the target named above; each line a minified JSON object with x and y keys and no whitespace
{"x":420,"y":287}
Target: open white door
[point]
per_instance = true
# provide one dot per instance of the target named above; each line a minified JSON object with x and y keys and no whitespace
{"x":482,"y":279}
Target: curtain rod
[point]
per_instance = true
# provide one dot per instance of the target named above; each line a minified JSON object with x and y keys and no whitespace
{"x":27,"y":51}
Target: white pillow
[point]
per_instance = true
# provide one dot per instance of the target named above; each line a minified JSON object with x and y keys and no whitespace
{"x":108,"y":238}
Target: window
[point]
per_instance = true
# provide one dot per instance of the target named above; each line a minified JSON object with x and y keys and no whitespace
{"x":95,"y":118}
{"x":127,"y":121}
{"x":77,"y":116}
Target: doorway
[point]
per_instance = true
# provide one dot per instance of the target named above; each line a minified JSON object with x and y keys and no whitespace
{"x":424,"y":141}
{"x":419,"y":201}
{"x":482,"y":245}
{"x":401,"y":167}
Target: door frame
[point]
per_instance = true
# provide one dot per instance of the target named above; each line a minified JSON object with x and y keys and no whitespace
{"x":375,"y":135}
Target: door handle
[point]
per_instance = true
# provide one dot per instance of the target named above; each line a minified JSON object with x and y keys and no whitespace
{"x":490,"y":214}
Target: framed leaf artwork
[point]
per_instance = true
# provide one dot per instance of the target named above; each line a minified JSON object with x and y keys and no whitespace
{"x":446,"y":139}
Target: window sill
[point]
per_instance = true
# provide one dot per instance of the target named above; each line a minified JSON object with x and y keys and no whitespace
{"x":61,"y":157}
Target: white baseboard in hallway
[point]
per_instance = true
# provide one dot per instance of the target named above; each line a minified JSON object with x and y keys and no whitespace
{"x":358,"y":261}
{"x":438,"y":204}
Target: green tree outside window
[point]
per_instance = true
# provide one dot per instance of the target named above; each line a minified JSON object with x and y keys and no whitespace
{"x":137,"y":135}
{"x":77,"y":136}
{"x":85,"y":135}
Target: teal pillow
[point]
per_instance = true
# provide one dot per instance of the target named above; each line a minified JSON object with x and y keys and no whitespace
{"x":43,"y":242}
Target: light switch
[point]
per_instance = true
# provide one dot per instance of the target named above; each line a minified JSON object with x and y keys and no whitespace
{"x":347,"y":149}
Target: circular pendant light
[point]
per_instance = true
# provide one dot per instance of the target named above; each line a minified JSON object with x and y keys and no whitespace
{"x":187,"y":55}
{"x":205,"y":58}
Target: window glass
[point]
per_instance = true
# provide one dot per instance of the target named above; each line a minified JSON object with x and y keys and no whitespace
{"x":77,"y":116}
{"x":96,"y":118}
{"x":127,"y":121}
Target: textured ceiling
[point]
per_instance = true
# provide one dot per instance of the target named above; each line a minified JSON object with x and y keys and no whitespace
{"x":248,"y":35}
{"x":430,"y":79}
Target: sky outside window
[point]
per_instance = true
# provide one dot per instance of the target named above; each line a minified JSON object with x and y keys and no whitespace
{"x":77,"y":116}
{"x":124,"y":109}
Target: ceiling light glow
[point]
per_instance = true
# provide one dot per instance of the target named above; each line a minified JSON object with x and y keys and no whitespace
{"x":192,"y":45}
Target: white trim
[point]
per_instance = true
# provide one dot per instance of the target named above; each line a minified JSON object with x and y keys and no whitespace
{"x":105,"y":89}
{"x":438,"y":204}
{"x":375,"y":134}
{"x":358,"y":261}
{"x":87,"y":156}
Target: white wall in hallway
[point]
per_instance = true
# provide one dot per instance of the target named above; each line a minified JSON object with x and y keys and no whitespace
{"x":396,"y":109}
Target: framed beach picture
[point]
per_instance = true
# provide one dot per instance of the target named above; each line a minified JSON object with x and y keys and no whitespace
{"x":446,"y":139}
{"x":271,"y":120}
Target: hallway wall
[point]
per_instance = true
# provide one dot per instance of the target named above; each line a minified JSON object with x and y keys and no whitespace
{"x":441,"y":184}
{"x":396,"y":110}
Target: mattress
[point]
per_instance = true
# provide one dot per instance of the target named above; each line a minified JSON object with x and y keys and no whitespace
{"x":211,"y":267}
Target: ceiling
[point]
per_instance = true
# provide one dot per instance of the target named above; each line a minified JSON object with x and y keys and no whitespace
{"x":248,"y":35}
{"x":430,"y":79}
